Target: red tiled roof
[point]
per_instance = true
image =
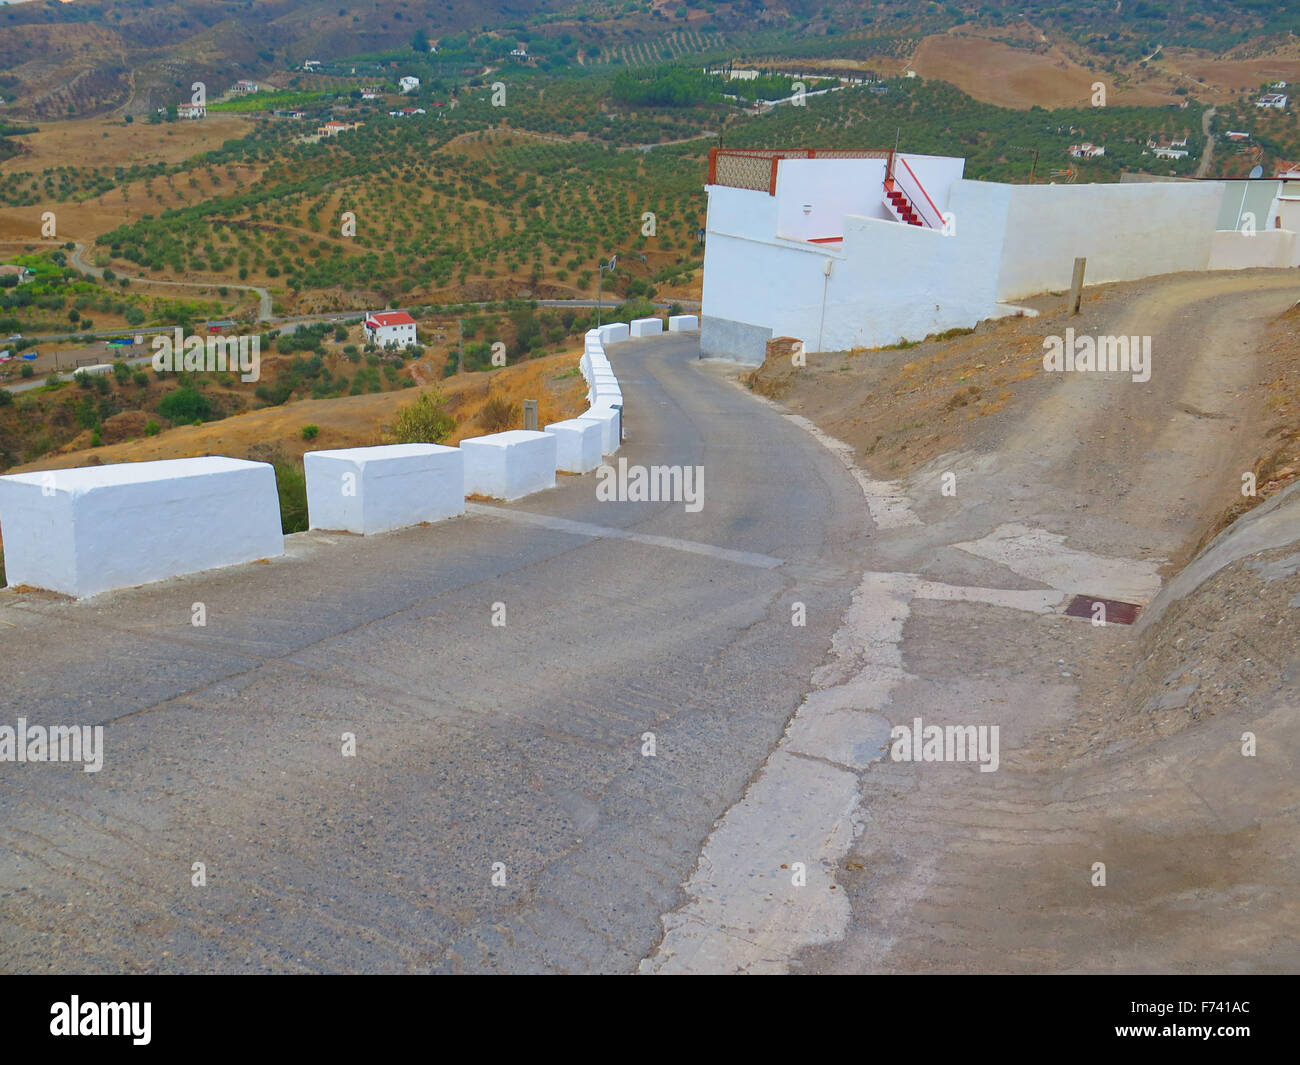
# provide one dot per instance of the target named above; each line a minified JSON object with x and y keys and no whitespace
{"x":391,"y":318}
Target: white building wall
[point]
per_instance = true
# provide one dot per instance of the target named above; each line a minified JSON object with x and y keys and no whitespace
{"x":1126,"y":231}
{"x":887,"y":281}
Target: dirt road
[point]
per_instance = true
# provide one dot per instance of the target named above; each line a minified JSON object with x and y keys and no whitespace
{"x":1061,"y":484}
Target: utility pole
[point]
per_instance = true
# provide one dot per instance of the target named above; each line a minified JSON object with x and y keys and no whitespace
{"x":1034,"y":152}
{"x":601,"y":269}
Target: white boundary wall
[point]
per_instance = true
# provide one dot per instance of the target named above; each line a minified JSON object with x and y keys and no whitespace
{"x":91,"y":529}
{"x":578,"y":444}
{"x":378,"y":489}
{"x":646,"y":327}
{"x":509,"y":465}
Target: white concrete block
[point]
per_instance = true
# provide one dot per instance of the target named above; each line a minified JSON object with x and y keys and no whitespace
{"x":90,"y":529}
{"x":578,"y":444}
{"x":615,"y":332}
{"x":509,"y":465}
{"x":608,"y":420}
{"x":681,"y":323}
{"x":646,"y":327}
{"x":377,"y":489}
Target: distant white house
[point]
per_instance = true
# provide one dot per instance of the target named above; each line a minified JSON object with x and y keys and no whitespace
{"x":21,"y":272}
{"x":1085,"y":150}
{"x":390,"y":328}
{"x":408,"y":83}
{"x":1275,"y":100}
{"x":407,"y":112}
{"x":244,"y":86}
{"x":521,"y":52}
{"x":191,"y":111}
{"x":1170,"y":153}
{"x":311,"y":64}
{"x":370,"y":92}
{"x":1237,"y":135}
{"x":333,"y":129}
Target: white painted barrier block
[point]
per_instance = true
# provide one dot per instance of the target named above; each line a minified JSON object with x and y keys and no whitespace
{"x":606,"y":396}
{"x":614,"y":332}
{"x":578,"y":444}
{"x":608,"y":420}
{"x":90,"y":529}
{"x":682,"y":323}
{"x":646,"y":327}
{"x":378,"y":489}
{"x":509,"y":465}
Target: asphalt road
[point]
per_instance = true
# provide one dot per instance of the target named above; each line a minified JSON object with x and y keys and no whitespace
{"x":475,"y":744}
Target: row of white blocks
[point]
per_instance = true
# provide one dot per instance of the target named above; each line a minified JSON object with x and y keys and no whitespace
{"x":91,"y":529}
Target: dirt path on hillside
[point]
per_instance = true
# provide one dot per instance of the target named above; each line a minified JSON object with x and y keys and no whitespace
{"x":1065,"y":484}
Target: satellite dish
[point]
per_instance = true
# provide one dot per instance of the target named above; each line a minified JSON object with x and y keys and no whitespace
{"x":1257,"y":171}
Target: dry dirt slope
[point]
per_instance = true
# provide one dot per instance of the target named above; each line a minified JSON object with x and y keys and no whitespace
{"x":1121,"y":745}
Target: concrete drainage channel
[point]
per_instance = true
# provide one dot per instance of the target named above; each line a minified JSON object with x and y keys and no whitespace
{"x":92,"y":529}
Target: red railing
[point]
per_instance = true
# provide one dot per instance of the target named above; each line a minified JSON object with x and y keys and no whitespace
{"x":933,"y":217}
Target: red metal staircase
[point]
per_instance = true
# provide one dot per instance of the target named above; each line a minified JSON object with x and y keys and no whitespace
{"x":905,"y":198}
{"x":899,"y":205}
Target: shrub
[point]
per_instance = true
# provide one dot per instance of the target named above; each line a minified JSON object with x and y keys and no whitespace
{"x":425,"y":421}
{"x":96,"y":437}
{"x":151,"y":428}
{"x":186,"y":404}
{"x":27,"y":371}
{"x":6,"y":398}
{"x":140,"y":379}
{"x":82,"y":378}
{"x":497,"y":415}
{"x":122,"y":372}
{"x":310,"y":432}
{"x":54,"y":379}
{"x":291,"y":483}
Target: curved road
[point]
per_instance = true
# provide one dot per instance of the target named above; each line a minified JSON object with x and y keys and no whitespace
{"x":521,"y":745}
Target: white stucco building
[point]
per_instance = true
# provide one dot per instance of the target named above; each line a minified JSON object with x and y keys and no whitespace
{"x":844,"y":249}
{"x":390,"y":328}
{"x":408,"y":83}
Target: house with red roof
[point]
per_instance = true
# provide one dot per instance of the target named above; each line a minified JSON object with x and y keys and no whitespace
{"x":390,"y":329}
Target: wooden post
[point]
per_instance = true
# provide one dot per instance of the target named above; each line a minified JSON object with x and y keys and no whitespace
{"x":530,"y":415}
{"x":1076,"y":285}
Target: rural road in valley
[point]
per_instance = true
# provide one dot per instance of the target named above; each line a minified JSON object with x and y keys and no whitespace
{"x":475,"y":745}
